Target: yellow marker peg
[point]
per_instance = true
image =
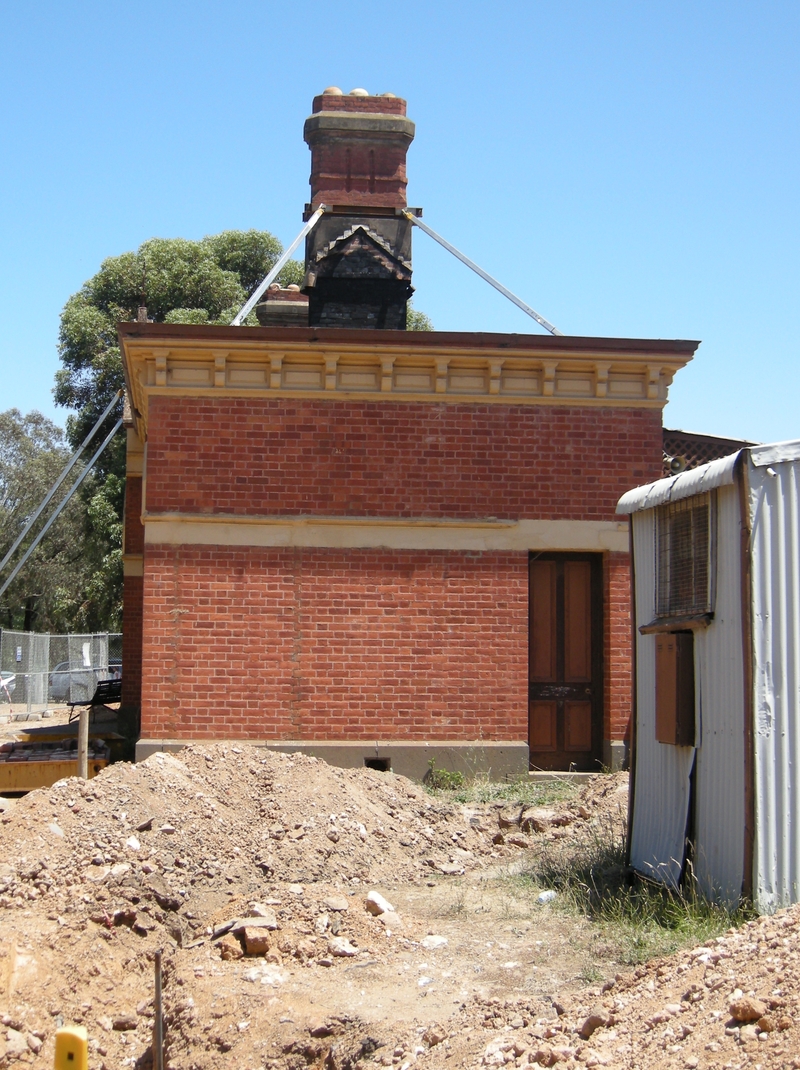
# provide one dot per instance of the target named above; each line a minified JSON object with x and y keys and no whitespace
{"x":72,"y":1048}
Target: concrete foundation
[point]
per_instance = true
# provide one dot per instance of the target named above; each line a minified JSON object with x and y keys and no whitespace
{"x":615,"y":755}
{"x":413,"y":760}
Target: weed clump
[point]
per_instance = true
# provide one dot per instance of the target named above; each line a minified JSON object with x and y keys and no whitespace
{"x":637,"y":919}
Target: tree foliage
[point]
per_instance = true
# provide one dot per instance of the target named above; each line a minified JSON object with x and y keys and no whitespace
{"x":178,"y":281}
{"x":68,"y":582}
{"x":417,"y":321}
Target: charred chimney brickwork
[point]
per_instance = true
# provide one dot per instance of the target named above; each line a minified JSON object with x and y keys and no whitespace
{"x":358,"y":257}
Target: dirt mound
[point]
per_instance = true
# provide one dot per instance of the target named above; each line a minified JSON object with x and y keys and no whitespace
{"x":253,"y":872}
{"x":731,"y":1004}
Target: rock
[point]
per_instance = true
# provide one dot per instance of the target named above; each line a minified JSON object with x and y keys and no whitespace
{"x":122,"y":869}
{"x":16,"y":1043}
{"x":747,"y":1009}
{"x":163,"y":895}
{"x":123,"y":1023}
{"x":431,"y":942}
{"x":256,"y":940}
{"x":321,"y":924}
{"x":767,"y":1024}
{"x":517,"y":841}
{"x":747,"y":1033}
{"x":376,"y":904}
{"x":320,"y":1029}
{"x":391,"y":921}
{"x":96,"y":874}
{"x":596,"y":1020}
{"x":434,"y":1035}
{"x":260,"y":910}
{"x":56,"y":830}
{"x":450,"y":869}
{"x":336,"y":902}
{"x":341,"y":947}
{"x":546,"y":897}
{"x":168,"y":830}
{"x":508,"y":820}
{"x":538,"y":819}
{"x":498,"y":838}
{"x":785,"y":1022}
{"x":265,"y":920}
{"x":145,"y":826}
{"x":230,"y":948}
{"x":34,"y":1043}
{"x":133,"y":843}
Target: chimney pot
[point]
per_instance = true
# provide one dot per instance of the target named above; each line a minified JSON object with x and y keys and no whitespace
{"x":359,"y":93}
{"x":332,"y":91}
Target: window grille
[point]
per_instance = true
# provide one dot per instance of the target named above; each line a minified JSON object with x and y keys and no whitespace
{"x":684,"y":546}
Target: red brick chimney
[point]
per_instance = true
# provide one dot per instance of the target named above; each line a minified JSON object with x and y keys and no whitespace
{"x":358,"y":149}
{"x":358,"y":257}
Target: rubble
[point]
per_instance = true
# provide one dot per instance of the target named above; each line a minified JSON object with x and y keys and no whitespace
{"x":287,"y":947}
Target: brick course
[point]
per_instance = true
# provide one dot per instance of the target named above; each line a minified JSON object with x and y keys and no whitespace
{"x":328,"y":644}
{"x":617,"y":678}
{"x":266,"y":456}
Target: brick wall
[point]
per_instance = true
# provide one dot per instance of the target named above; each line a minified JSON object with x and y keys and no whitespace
{"x":362,"y":458}
{"x":330,"y":644}
{"x":132,"y":597}
{"x":617,"y":677}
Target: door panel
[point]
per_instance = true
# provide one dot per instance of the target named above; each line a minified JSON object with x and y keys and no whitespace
{"x":566,"y":661}
{"x":577,"y":621}
{"x":543,"y":716}
{"x":543,"y":621}
{"x":577,"y":726}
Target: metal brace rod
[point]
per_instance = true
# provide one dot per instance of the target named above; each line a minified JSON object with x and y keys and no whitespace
{"x":245,"y":310}
{"x":67,"y":468}
{"x":479,"y":271}
{"x":57,"y":512}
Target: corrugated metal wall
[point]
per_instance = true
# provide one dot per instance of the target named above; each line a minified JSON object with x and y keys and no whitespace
{"x":775,"y":512}
{"x":719,"y":697}
{"x":661,"y":803}
{"x":662,"y":782}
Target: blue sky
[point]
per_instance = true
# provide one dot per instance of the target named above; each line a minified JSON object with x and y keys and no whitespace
{"x":629,"y":169}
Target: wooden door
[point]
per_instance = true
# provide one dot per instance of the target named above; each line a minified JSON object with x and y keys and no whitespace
{"x":565,"y":716}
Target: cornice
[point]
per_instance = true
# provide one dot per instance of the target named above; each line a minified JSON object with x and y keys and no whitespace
{"x":447,"y":370}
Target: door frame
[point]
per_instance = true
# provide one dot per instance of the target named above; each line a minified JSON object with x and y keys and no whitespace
{"x":597,"y":625}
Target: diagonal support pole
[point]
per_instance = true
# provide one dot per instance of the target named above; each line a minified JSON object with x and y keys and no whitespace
{"x":483,"y":274}
{"x":65,"y":471}
{"x":61,"y":505}
{"x":247,"y":308}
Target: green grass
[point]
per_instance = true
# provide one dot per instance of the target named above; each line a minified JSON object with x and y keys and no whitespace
{"x":515,"y":791}
{"x":635,"y":920}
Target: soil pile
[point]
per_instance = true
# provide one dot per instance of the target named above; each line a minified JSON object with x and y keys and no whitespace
{"x":258,"y":873}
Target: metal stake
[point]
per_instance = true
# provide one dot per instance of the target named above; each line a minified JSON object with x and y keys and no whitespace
{"x":158,"y":1024}
{"x":484,"y":275}
{"x":83,"y":743}
{"x":245,"y":310}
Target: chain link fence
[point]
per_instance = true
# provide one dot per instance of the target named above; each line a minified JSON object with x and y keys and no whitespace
{"x":39,"y":670}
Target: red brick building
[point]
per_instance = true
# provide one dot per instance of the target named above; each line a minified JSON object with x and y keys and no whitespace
{"x":379,"y":545}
